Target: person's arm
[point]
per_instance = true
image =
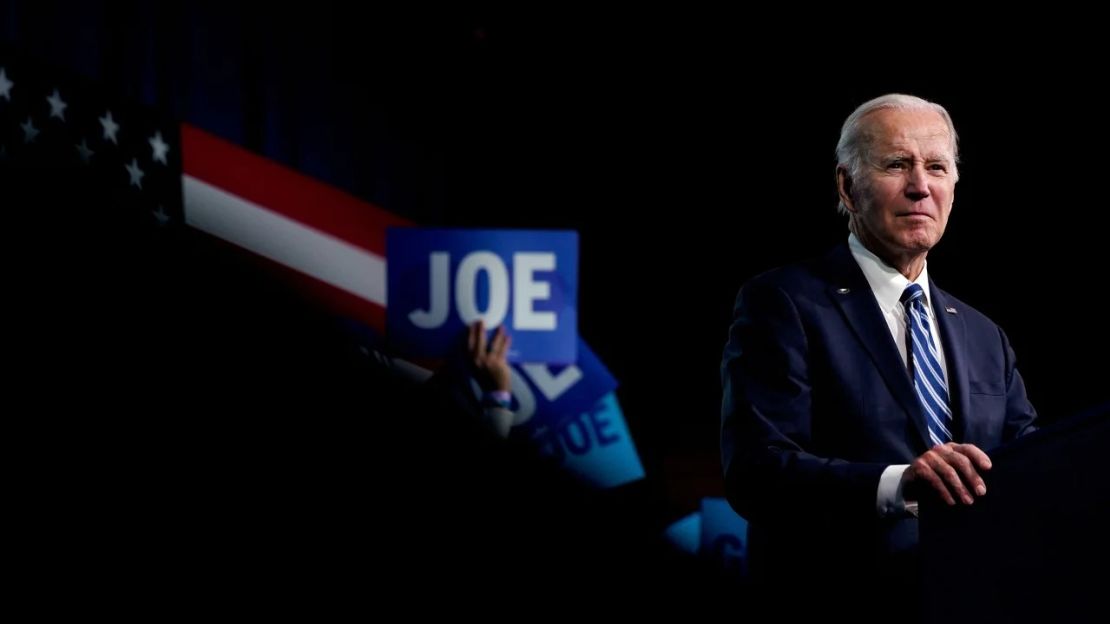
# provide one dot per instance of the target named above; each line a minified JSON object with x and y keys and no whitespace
{"x":767,"y":419}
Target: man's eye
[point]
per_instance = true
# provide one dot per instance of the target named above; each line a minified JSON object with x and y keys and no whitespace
{"x":897,"y":165}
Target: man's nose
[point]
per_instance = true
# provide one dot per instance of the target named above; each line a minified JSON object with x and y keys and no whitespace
{"x":917,"y":187}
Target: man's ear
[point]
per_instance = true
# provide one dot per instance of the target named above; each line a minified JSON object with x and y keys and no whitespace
{"x":844,"y":188}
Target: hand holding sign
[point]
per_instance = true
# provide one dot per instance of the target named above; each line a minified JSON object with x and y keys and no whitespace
{"x":488,"y":365}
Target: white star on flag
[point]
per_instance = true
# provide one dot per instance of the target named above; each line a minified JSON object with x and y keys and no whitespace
{"x":110,"y":127}
{"x":161,"y":216}
{"x":135,"y":173}
{"x":5,"y":85}
{"x":29,"y":131}
{"x":160,"y":147}
{"x":84,"y":152}
{"x":57,"y":105}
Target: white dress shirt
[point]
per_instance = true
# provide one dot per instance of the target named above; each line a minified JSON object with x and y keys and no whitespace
{"x":887,"y":284}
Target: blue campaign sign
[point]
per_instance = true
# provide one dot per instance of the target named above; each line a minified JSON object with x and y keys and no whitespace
{"x":685,"y":533}
{"x":594,"y":445}
{"x":724,"y":535}
{"x":545,"y":393}
{"x":440,"y":281}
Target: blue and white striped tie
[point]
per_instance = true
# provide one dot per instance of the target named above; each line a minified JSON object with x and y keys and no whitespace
{"x":928,"y":378}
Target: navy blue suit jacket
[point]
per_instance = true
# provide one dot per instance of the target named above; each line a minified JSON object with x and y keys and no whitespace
{"x":818,"y":402}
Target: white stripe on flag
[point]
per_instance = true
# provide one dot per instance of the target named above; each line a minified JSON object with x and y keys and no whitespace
{"x":283,"y":240}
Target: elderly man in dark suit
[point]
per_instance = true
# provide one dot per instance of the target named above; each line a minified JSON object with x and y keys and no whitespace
{"x":853,"y":385}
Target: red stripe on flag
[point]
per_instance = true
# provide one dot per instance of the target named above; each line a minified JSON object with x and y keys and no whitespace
{"x":337,"y":300}
{"x":283,"y":190}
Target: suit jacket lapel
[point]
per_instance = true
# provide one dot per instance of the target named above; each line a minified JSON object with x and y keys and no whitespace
{"x":954,"y":336}
{"x":852,"y":294}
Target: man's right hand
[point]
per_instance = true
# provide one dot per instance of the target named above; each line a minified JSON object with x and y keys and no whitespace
{"x":951,"y":470}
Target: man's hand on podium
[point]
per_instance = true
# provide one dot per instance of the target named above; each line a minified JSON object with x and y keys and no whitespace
{"x":950,"y":470}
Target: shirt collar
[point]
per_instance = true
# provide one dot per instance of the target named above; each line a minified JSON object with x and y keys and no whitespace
{"x":886,"y":282}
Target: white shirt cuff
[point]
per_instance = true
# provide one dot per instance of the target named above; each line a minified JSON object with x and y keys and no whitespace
{"x":890,"y":500}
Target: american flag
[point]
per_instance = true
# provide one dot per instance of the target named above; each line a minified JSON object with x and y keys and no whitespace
{"x":56,"y":125}
{"x":161,"y":378}
{"x":115,"y":297}
{"x":95,"y":175}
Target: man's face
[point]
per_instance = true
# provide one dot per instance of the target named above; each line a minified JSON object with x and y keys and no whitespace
{"x":909,"y":179}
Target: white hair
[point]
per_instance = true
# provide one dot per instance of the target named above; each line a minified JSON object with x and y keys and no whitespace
{"x":851,"y":149}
